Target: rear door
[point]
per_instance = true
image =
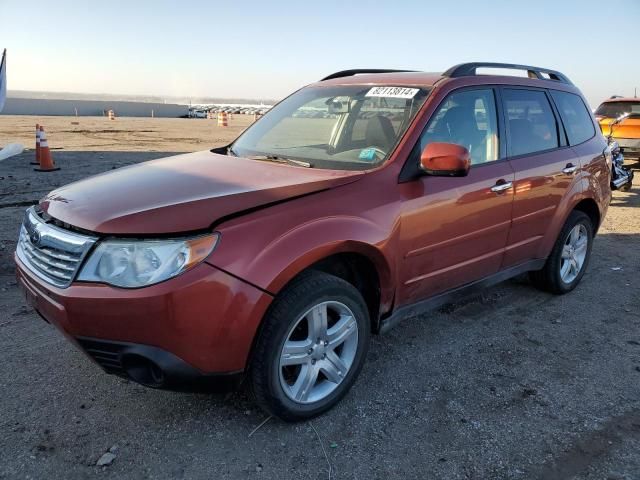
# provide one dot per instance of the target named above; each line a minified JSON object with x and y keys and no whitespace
{"x":586,"y":142}
{"x":454,"y":230}
{"x":545,"y":168}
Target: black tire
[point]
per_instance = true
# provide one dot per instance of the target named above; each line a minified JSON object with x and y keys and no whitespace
{"x":549,"y":278}
{"x":306,"y":291}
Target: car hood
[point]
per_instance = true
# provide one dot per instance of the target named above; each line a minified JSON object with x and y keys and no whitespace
{"x":182,"y":193}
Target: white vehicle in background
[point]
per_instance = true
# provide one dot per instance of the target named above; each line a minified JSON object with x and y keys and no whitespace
{"x":195,"y":113}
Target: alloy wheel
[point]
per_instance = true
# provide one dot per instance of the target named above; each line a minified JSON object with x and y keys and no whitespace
{"x":318,"y":352}
{"x":574,"y":253}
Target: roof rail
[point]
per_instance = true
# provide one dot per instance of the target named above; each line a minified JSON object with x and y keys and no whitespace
{"x":469,"y":69}
{"x":356,"y":71}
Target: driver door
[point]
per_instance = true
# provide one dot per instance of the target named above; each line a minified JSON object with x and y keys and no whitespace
{"x":454,"y":230}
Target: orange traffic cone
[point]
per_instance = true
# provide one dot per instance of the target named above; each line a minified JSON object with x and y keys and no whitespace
{"x":37,"y":161}
{"x":46,"y":161}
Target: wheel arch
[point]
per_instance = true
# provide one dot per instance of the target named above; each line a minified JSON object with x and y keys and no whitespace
{"x":575,"y":199}
{"x":360,"y":264}
{"x":343,"y":264}
{"x":590,"y":208}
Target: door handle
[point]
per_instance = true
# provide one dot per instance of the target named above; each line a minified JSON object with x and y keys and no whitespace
{"x":569,"y":169}
{"x":501,"y":187}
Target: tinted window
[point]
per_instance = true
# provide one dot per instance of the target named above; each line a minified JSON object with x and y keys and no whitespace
{"x":466,"y":118}
{"x":531,"y":125}
{"x":575,"y":116}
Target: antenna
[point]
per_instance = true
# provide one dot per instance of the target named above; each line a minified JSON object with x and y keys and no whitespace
{"x":635,"y":92}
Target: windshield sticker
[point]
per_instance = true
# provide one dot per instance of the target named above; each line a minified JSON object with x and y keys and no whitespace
{"x":392,"y":92}
{"x":367,"y":154}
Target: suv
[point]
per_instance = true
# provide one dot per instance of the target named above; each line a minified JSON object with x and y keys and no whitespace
{"x":274,"y":258}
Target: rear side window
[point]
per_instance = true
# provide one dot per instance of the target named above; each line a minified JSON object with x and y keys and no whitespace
{"x":531,"y":124}
{"x":575,"y":116}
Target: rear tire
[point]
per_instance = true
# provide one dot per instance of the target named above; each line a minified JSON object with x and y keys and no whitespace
{"x":311,"y":347}
{"x":569,"y":257}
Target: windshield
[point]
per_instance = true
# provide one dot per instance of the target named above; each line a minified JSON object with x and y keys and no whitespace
{"x":615,"y":109}
{"x":345,"y":127}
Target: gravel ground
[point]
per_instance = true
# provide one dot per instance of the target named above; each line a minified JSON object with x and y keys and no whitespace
{"x":512,"y":384}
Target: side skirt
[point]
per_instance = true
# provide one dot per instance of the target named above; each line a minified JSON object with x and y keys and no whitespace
{"x":418,"y":308}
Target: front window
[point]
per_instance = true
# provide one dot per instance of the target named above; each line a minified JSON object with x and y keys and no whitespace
{"x":615,"y":109}
{"x":467,"y":118}
{"x":344,"y":127}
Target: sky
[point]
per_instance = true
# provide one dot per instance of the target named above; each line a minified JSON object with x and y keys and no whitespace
{"x":267,"y":49}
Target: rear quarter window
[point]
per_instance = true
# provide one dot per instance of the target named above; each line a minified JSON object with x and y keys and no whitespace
{"x":575,"y":116}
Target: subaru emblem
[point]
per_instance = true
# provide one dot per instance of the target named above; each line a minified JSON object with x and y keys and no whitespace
{"x":35,"y":238}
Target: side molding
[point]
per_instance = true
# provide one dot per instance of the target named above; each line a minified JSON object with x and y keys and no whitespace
{"x":423,"y":306}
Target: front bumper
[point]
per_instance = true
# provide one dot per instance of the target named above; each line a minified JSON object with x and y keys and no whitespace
{"x":154,"y":367}
{"x":203,"y":320}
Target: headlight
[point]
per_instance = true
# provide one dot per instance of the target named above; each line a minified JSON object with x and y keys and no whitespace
{"x":138,"y":263}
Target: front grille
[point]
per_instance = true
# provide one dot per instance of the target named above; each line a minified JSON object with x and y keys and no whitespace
{"x":106,"y":354}
{"x":52,"y":253}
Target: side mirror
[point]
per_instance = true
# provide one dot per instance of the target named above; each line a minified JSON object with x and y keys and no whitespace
{"x":445,"y":160}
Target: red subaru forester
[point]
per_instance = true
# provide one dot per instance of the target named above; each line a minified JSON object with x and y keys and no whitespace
{"x":359,"y":200}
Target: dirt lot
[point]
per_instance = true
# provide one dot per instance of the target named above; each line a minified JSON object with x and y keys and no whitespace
{"x":512,"y":384}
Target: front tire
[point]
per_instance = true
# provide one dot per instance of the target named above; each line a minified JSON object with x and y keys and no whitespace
{"x":311,"y":347}
{"x":569,"y":258}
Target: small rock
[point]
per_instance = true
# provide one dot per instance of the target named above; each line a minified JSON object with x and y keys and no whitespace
{"x":114,"y":449}
{"x":105,"y":459}
{"x":615,"y":476}
{"x":259,"y":468}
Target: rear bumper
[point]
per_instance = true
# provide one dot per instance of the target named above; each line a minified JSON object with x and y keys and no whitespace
{"x":203,"y":320}
{"x":629,"y":145}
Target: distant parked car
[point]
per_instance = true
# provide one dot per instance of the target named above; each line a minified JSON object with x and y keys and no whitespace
{"x":627,"y":131}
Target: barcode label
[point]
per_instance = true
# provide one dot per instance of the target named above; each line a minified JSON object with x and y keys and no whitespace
{"x":392,"y":92}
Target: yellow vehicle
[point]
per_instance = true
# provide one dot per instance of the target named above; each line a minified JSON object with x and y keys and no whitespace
{"x":627,"y":131}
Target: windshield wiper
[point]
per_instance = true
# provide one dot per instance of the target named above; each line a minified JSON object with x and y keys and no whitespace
{"x":277,"y":159}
